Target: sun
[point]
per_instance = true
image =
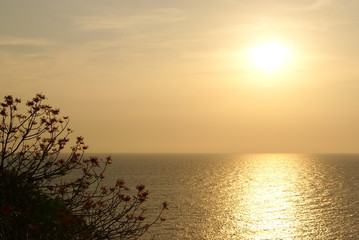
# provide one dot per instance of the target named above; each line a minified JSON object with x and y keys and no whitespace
{"x":269,"y":57}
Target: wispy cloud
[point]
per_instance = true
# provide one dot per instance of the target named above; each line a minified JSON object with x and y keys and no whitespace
{"x":317,"y":4}
{"x":13,"y":41}
{"x":114,"y":22}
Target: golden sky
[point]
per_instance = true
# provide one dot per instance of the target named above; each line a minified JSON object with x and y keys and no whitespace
{"x":175,"y":75}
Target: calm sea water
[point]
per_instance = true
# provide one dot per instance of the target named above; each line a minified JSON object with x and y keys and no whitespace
{"x":261,"y":196}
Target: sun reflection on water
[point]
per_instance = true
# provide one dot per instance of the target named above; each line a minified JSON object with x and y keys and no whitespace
{"x":248,"y":197}
{"x":266,"y":204}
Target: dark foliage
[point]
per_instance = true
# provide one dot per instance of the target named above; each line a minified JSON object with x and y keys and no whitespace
{"x":47,"y":196}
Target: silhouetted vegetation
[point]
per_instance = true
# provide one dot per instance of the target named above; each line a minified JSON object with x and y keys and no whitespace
{"x":45,"y":195}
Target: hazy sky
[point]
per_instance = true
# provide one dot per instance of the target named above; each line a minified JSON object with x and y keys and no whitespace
{"x":173,"y":75}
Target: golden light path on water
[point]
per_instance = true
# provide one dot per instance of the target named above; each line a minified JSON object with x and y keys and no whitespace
{"x":266,"y":209}
{"x":265,"y":197}
{"x":254,"y":197}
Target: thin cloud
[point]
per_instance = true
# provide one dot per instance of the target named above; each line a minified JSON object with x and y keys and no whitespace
{"x":319,"y":4}
{"x":114,"y":23}
{"x":13,"y":41}
{"x":314,"y":6}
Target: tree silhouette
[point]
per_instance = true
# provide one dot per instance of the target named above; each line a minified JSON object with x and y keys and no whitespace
{"x":45,"y":195}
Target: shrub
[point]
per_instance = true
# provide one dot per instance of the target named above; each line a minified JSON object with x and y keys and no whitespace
{"x":45,"y":195}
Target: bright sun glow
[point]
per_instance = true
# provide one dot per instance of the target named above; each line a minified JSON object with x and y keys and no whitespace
{"x":269,"y":57}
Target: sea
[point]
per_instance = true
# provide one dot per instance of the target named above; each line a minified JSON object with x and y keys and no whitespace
{"x":247,"y":196}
